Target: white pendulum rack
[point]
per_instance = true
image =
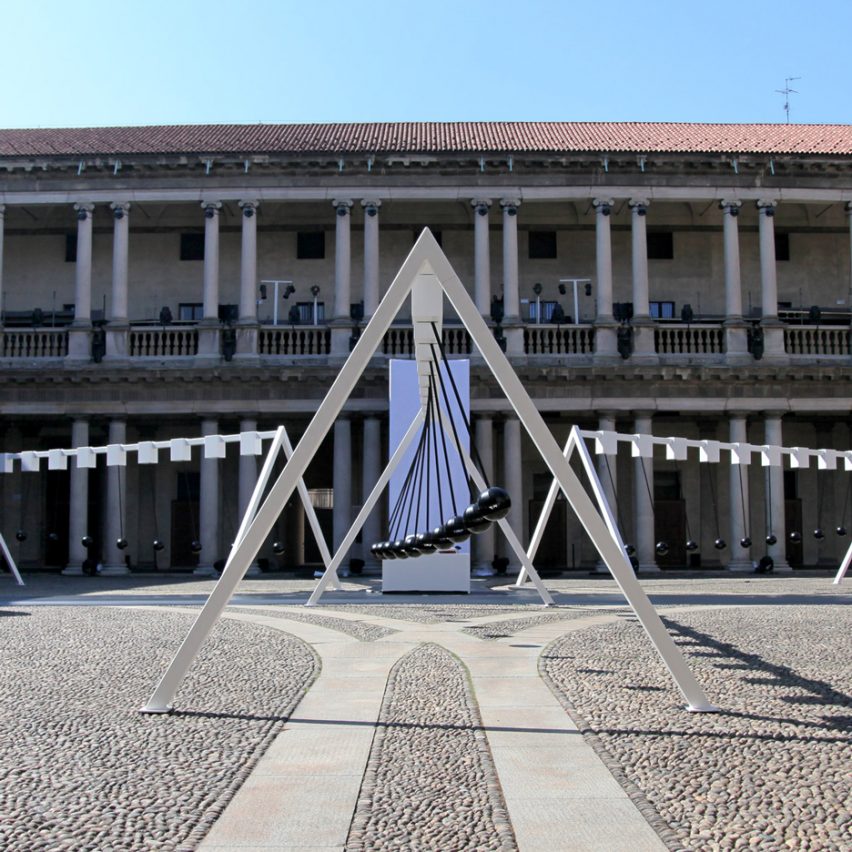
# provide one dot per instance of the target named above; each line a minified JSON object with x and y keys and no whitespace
{"x":9,"y":561}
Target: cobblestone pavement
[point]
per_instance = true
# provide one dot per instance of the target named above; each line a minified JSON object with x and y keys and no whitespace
{"x":80,"y":769}
{"x":773,"y":770}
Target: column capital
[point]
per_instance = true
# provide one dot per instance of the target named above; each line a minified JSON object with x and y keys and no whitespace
{"x":773,"y":414}
{"x":737,"y":415}
{"x":3,"y":210}
{"x":639,"y":205}
{"x":510,"y":205}
{"x":371,"y":205}
{"x":767,"y":206}
{"x":342,"y":205}
{"x":120,"y":209}
{"x":211,"y":208}
{"x":249,"y":207}
{"x":481,"y":205}
{"x":848,"y":208}
{"x":731,"y":206}
{"x":83,"y":210}
{"x":603,"y":205}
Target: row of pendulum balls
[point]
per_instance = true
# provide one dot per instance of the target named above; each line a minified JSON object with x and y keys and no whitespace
{"x":662,"y":547}
{"x":492,"y":505}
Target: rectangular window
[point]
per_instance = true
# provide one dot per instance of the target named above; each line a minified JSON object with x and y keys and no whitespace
{"x":660,"y":245}
{"x":542,"y":245}
{"x":547,"y":308}
{"x":662,"y":310}
{"x":190,"y":311}
{"x":782,"y":246}
{"x":192,"y":246}
{"x":70,"y":248}
{"x":310,"y":245}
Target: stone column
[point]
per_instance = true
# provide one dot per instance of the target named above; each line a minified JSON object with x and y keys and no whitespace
{"x":608,"y":475}
{"x":2,"y":294}
{"x":740,"y":557}
{"x":342,"y":482}
{"x":248,"y":263}
{"x":775,"y":489}
{"x":247,"y":479}
{"x":605,"y":326}
{"x":643,"y":491}
{"x":735,"y":333}
{"x":483,"y":544}
{"x":210,"y":312}
{"x":342,"y":276}
{"x":115,"y":508}
{"x":511,"y":298}
{"x":83,"y":269}
{"x":371,"y":256}
{"x":773,"y":330}
{"x":643,"y":327}
{"x":78,"y":508}
{"x":116,"y":333}
{"x":482,"y":256}
{"x":208,"y":507}
{"x":513,"y":471}
{"x":371,"y":471}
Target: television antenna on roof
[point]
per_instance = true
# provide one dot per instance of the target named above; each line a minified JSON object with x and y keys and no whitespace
{"x":787,"y":91}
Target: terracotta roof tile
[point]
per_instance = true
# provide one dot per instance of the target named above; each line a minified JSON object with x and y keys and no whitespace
{"x":432,"y":137}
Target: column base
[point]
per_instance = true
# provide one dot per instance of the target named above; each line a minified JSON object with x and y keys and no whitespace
{"x":736,"y":345}
{"x":514,"y":340}
{"x":740,"y":566}
{"x":208,"y":341}
{"x":254,"y":570}
{"x":247,"y":335}
{"x":115,"y":570}
{"x":483,"y":569}
{"x":80,"y":343}
{"x":205,"y":571}
{"x":644,"y":343}
{"x":606,"y":341}
{"x":72,"y":571}
{"x":649,"y":568}
{"x":116,"y":340}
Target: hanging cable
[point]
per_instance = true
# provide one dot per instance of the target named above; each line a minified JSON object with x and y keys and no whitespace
{"x":691,"y":544}
{"x":819,"y":534}
{"x":446,"y":453}
{"x":629,"y":549}
{"x":745,"y":541}
{"x":121,"y":542}
{"x":719,"y":543}
{"x":841,"y":529}
{"x":662,"y":547}
{"x":771,"y":538}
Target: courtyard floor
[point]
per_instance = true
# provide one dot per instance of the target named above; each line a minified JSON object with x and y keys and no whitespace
{"x":373,"y":721}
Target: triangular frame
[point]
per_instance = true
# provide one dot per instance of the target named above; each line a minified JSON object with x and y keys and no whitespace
{"x":428,"y":261}
{"x":10,"y":562}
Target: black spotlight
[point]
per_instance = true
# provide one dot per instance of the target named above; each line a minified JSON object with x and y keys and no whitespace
{"x":20,"y":535}
{"x":121,"y":543}
{"x":278,"y":547}
{"x":474,"y":520}
{"x":841,"y":530}
{"x":494,"y":503}
{"x":819,"y":535}
{"x":720,"y":544}
{"x":87,"y":541}
{"x":662,"y":548}
{"x":195,"y":547}
{"x":629,"y":549}
{"x":456,"y":530}
{"x":772,"y":538}
{"x":691,"y":545}
{"x":795,"y":536}
{"x":745,"y":541}
{"x":158,"y":545}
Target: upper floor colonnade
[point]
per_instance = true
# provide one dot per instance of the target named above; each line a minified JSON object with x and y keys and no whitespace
{"x":489,"y":214}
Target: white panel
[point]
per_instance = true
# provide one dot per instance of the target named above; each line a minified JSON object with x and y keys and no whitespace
{"x":29,"y":462}
{"x":7,"y":463}
{"x":180,"y":450}
{"x":800,"y":457}
{"x":57,"y":460}
{"x":708,"y":451}
{"x":642,"y":446}
{"x":606,"y":443}
{"x":770,"y":456}
{"x":446,"y":573}
{"x":827,"y":459}
{"x":86,"y":457}
{"x":116,"y":455}
{"x":250,"y":444}
{"x":676,"y":449}
{"x":148,"y":452}
{"x":214,"y":447}
{"x":741,"y":453}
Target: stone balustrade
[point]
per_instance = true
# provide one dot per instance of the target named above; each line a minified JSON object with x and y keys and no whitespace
{"x":35,"y":343}
{"x":691,"y":339}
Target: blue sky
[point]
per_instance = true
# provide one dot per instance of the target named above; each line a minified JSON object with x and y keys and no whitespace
{"x":191,"y":62}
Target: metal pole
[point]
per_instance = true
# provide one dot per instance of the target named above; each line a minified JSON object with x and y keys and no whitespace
{"x":576,"y":302}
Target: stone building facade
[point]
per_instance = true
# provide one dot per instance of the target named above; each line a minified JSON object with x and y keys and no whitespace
{"x":690,"y":280}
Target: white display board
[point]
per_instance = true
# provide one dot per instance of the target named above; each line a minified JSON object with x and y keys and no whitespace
{"x":447,"y":572}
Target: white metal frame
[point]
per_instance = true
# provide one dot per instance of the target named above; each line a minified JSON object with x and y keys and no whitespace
{"x":844,"y":566}
{"x":426,"y":264}
{"x":9,"y":561}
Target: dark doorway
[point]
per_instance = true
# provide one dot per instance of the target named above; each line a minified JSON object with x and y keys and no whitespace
{"x":552,"y":552}
{"x":57,"y":506}
{"x":670,"y":527}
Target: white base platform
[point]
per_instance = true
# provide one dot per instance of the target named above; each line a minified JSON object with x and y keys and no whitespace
{"x":441,"y":572}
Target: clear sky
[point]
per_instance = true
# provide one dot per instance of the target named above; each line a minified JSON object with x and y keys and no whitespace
{"x":104,"y":62}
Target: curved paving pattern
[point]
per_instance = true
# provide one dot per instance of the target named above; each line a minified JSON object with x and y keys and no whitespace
{"x":81,"y":769}
{"x":770,"y":772}
{"x":430,"y":781}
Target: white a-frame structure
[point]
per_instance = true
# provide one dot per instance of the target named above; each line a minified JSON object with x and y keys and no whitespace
{"x":427,"y":269}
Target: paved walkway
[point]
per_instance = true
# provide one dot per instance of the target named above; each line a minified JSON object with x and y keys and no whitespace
{"x":303,"y":792}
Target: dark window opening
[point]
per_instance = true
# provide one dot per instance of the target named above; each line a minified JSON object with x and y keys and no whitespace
{"x":310,"y":245}
{"x":667,"y":485}
{"x":542,"y":245}
{"x":192,"y":246}
{"x":190,"y":311}
{"x":782,"y":246}
{"x":547,"y":309}
{"x":302,"y":313}
{"x":188,"y":486}
{"x":70,"y":248}
{"x":791,"y":485}
{"x":660,"y":245}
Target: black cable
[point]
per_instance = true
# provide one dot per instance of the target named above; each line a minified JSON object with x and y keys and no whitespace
{"x":446,"y":454}
{"x":432,"y":403}
{"x":711,"y":477}
{"x":742,"y":502}
{"x":614,"y":493}
{"x":846,"y":499}
{"x":474,"y":451}
{"x":769,"y":530}
{"x":120,"y":513}
{"x":402,"y":499}
{"x":680,"y":491}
